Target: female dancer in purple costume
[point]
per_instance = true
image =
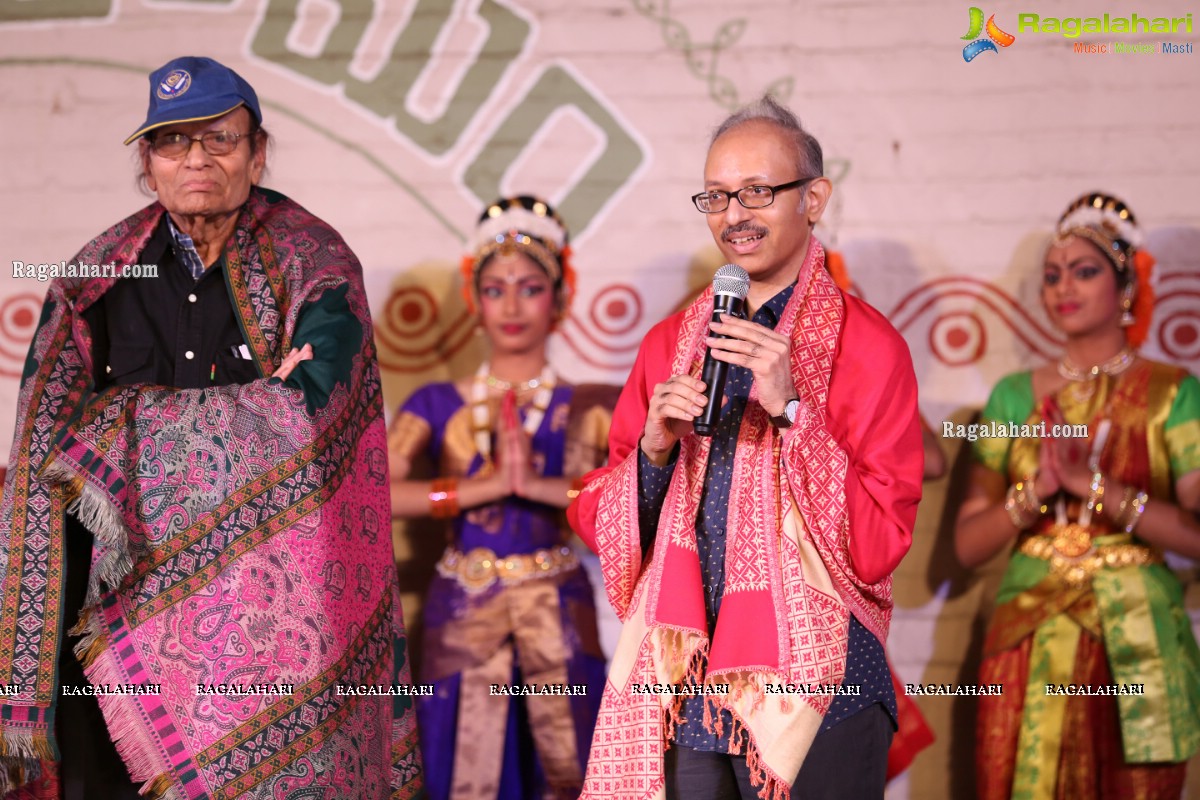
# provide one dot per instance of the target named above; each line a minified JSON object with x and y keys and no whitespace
{"x":510,"y":643}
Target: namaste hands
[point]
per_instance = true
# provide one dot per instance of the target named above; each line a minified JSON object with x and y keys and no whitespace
{"x":1064,"y":461}
{"x":513,"y":452}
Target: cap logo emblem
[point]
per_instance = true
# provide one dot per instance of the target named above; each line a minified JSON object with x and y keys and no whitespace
{"x":176,"y":83}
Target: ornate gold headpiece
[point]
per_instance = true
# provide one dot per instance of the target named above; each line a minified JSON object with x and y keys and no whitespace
{"x":527,"y":225}
{"x":1106,"y":222}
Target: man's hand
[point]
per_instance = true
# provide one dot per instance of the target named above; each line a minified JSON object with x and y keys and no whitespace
{"x":673,"y":406}
{"x":761,"y":350}
{"x":291,"y":360}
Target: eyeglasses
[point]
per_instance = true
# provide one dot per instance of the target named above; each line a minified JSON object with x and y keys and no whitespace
{"x":715,"y":200}
{"x":178,"y":145}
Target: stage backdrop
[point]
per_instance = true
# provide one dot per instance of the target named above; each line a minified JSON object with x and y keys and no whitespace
{"x":952,"y":153}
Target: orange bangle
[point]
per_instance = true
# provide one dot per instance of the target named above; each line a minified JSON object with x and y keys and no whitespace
{"x":443,"y":498}
{"x":576,"y":488}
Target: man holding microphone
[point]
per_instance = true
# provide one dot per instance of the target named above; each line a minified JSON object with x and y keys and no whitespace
{"x":752,"y":566}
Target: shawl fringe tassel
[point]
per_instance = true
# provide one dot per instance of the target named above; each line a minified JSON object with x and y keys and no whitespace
{"x":741,"y":741}
{"x":161,"y":788}
{"x":120,"y":715}
{"x":94,"y":636}
{"x":674,"y":642}
{"x":21,"y":754}
{"x":94,"y":510}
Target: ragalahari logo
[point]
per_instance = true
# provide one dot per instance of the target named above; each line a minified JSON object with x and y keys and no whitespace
{"x":995,"y":36}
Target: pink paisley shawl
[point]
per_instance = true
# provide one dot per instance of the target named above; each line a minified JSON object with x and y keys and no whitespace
{"x":790,"y":582}
{"x":241,"y":538}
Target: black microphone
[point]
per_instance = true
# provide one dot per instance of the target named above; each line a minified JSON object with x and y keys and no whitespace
{"x":730,"y":286}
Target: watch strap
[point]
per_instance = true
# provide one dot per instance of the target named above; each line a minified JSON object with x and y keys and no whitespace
{"x":786,"y":420}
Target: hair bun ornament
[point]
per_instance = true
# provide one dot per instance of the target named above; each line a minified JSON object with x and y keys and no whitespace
{"x":1143,"y":301}
{"x":837,"y":270}
{"x":466,"y":269}
{"x":567,"y":293}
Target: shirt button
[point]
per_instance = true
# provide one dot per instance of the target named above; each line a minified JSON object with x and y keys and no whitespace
{"x":191,"y":298}
{"x":189,"y":355}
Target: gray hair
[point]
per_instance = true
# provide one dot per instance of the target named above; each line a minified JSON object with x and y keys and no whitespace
{"x":809,"y":159}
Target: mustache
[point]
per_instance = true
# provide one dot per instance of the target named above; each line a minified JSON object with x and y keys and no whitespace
{"x":742,"y":228}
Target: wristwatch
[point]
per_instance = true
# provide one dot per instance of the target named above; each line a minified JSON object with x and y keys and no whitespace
{"x":788,"y":418}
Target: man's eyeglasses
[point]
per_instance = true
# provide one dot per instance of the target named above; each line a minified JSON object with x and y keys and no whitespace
{"x":178,"y":145}
{"x":715,"y":200}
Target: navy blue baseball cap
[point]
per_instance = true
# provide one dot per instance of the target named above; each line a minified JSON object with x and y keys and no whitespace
{"x":193,"y":89}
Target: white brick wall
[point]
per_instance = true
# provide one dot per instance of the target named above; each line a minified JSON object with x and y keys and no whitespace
{"x":954,"y":169}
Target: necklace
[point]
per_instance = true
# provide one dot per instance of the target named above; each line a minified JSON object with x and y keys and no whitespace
{"x":504,"y":386}
{"x":1113,"y":366}
{"x":1083,"y":380}
{"x":481,"y":410}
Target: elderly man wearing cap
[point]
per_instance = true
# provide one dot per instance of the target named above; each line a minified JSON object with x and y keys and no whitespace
{"x":194,"y":538}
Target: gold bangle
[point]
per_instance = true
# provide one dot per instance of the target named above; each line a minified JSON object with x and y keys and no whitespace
{"x":1033,"y":505}
{"x":576,"y":488}
{"x":1095,"y":498}
{"x":1137,"y":508}
{"x":1121,"y":515}
{"x":1022,"y":505}
{"x":443,"y":498}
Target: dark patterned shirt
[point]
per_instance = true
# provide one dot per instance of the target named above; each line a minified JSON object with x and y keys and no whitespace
{"x":866,"y":664}
{"x":171,"y":330}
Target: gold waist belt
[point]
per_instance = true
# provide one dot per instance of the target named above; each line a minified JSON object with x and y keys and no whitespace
{"x":478,"y":569}
{"x":1075,"y":558}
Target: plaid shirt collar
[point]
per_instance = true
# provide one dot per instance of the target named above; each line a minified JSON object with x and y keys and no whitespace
{"x":185,"y":250}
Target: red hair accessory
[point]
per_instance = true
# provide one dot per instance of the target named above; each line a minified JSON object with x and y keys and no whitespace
{"x":837,"y":270}
{"x":567,"y":293}
{"x":1143,"y":301}
{"x":467,"y":269}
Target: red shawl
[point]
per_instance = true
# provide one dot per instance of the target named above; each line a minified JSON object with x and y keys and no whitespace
{"x":820,"y":515}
